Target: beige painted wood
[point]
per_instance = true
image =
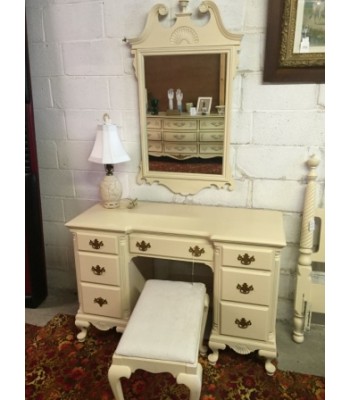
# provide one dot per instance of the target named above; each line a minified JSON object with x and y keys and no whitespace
{"x":186,"y":37}
{"x":309,"y":292}
{"x":246,"y":286}
{"x":241,"y":246}
{"x":99,"y":268}
{"x":244,"y":320}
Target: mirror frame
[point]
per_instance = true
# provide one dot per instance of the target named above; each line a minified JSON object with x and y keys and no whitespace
{"x":185,"y":37}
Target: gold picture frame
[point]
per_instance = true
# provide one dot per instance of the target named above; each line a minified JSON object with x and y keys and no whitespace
{"x":295,"y":51}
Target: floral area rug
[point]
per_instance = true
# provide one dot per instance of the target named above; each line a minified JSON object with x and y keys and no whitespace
{"x":58,"y":367}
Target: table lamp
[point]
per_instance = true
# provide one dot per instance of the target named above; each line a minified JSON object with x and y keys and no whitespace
{"x":108,"y":150}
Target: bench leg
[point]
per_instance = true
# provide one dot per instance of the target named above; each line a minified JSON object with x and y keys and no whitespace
{"x":116,"y":372}
{"x":202,"y":348}
{"x":193,"y":382}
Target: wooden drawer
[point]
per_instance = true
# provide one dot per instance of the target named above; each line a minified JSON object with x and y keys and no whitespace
{"x":173,"y":247}
{"x":180,"y":136}
{"x":211,"y":148}
{"x":248,"y":257}
{"x":245,"y":321}
{"x":212,"y":123}
{"x":211,"y":136}
{"x":154,"y":135}
{"x":180,"y":124}
{"x":155,"y":146}
{"x":253,"y":287}
{"x":99,"y":242}
{"x":154,"y":123}
{"x":99,"y":268}
{"x":101,"y":300}
{"x":180,"y":148}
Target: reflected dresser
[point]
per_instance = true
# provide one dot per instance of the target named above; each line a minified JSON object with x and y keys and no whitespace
{"x":186,"y":136}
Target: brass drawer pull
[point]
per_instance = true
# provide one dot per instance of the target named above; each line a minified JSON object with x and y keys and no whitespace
{"x":143,"y":246}
{"x":242,"y":323}
{"x":245,"y":289}
{"x":98,"y":270}
{"x":196,"y":251}
{"x":245,"y":259}
{"x":100,"y":301}
{"x":96,"y":244}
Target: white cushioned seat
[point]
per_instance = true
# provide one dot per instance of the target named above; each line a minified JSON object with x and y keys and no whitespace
{"x":165,"y":311}
{"x":164,"y":334}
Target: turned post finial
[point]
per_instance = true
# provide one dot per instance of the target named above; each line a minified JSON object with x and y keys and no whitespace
{"x":313,"y":161}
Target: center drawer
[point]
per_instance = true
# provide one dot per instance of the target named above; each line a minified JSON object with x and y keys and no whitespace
{"x":180,"y":136}
{"x":180,"y":148}
{"x":180,"y":124}
{"x":245,"y":321}
{"x":101,"y":300}
{"x":99,"y":268}
{"x":174,"y":247}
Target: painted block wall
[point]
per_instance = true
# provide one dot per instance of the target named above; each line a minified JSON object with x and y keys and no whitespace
{"x":81,"y":69}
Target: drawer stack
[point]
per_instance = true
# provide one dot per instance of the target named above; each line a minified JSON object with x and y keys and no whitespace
{"x":211,"y":137}
{"x":246,"y":292}
{"x":185,"y":137}
{"x":98,"y":274}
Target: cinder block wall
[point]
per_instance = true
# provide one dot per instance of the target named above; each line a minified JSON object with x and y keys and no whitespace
{"x":81,"y":68}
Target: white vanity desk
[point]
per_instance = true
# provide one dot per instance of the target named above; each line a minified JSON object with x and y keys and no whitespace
{"x":241,"y":246}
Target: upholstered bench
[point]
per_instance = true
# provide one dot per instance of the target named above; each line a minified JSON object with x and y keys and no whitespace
{"x":164,"y":334}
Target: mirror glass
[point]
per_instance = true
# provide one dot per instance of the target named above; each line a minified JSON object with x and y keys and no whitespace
{"x":181,"y":139}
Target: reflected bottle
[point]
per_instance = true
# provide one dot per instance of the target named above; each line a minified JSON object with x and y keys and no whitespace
{"x":154,"y":106}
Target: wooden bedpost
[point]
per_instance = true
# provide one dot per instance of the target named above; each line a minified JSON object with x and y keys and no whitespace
{"x":304,"y":268}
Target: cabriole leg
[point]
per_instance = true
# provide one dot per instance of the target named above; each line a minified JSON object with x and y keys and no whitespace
{"x":215,"y":347}
{"x":83,"y":326}
{"x":193,"y":382}
{"x":269,"y":355}
{"x":116,"y":372}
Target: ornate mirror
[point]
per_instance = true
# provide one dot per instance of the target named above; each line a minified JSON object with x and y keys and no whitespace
{"x":185,"y":74}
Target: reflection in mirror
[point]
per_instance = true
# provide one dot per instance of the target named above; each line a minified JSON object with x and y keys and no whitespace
{"x":180,"y":138}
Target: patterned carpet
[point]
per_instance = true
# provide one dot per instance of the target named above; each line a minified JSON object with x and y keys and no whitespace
{"x":58,"y":367}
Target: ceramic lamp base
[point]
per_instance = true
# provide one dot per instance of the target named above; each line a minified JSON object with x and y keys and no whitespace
{"x":111,"y":191}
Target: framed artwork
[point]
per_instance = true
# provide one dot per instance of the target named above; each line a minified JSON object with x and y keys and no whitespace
{"x":204,"y":105}
{"x":295,"y":42}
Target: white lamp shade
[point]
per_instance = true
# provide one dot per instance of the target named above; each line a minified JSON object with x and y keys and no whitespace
{"x":108,"y":148}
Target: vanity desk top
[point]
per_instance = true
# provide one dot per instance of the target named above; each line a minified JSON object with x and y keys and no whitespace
{"x":238,"y":225}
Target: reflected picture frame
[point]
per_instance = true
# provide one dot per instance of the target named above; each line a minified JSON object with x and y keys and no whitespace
{"x":286,"y":60}
{"x":204,"y":105}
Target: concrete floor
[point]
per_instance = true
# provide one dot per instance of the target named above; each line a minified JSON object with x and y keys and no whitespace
{"x":306,"y":358}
